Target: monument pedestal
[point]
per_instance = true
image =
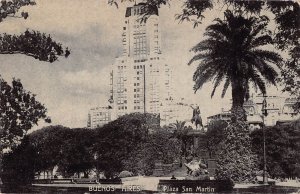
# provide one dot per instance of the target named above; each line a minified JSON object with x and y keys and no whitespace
{"x":158,"y":170}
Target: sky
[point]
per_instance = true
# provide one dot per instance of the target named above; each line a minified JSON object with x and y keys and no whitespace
{"x":92,"y":30}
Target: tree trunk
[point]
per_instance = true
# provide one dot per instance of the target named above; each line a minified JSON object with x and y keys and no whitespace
{"x":238,"y":93}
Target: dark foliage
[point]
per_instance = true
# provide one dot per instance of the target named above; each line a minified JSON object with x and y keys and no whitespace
{"x":119,"y":138}
{"x":180,"y":132}
{"x":11,"y":8}
{"x":69,"y":149}
{"x":214,"y":136}
{"x":133,"y":142}
{"x":34,"y":44}
{"x":77,"y":152}
{"x":235,"y":159}
{"x":19,"y":164}
{"x":232,"y":54}
{"x":19,"y":111}
{"x":287,"y":37}
{"x":282,"y":149}
{"x":49,"y":142}
{"x":30,"y":43}
{"x":159,"y":145}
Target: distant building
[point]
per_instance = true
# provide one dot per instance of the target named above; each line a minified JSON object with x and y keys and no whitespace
{"x":140,"y":78}
{"x":99,"y":116}
{"x":280,"y":110}
{"x":287,"y":112}
{"x":224,"y":116}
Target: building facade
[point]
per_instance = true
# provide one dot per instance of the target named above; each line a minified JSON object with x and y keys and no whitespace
{"x":140,"y":77}
{"x":99,"y":116}
{"x":279,"y":109}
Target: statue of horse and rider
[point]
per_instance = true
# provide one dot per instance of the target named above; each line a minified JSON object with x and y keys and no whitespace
{"x":196,"y":117}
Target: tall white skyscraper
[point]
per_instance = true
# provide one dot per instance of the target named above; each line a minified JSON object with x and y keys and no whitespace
{"x":140,"y":78}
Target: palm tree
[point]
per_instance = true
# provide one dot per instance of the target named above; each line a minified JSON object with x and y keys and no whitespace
{"x":178,"y":126}
{"x":233,"y":53}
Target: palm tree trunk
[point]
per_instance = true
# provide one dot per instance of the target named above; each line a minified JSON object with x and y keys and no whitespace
{"x":237,"y":110}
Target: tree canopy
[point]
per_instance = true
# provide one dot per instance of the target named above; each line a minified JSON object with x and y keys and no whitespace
{"x":69,"y":149}
{"x":19,"y":111}
{"x":232,"y":54}
{"x":10,"y":8}
{"x":19,"y":165}
{"x":117,"y":139}
{"x":30,"y":43}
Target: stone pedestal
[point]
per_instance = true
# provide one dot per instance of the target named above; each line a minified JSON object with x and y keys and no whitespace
{"x":158,"y":169}
{"x":211,"y":167}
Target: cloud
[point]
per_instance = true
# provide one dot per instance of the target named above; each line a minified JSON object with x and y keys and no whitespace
{"x":86,"y":81}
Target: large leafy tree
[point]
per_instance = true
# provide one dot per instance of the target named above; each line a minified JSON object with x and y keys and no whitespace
{"x":287,"y":16}
{"x":69,"y":149}
{"x":19,"y":111}
{"x":77,"y":155}
{"x":49,"y":143}
{"x":159,"y":145}
{"x":117,"y":139}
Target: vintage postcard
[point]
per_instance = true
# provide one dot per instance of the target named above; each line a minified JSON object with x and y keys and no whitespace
{"x":149,"y":96}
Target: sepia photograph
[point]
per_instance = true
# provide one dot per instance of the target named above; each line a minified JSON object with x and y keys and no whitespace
{"x":150,"y":96}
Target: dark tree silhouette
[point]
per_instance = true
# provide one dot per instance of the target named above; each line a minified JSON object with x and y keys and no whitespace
{"x":10,"y":8}
{"x":19,"y":165}
{"x":19,"y":111}
{"x":30,"y":43}
{"x":116,"y":140}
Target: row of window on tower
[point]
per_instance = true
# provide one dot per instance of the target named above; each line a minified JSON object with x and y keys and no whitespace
{"x":140,"y":60}
{"x":138,"y":67}
{"x":137,"y":107}
{"x":122,"y":108}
